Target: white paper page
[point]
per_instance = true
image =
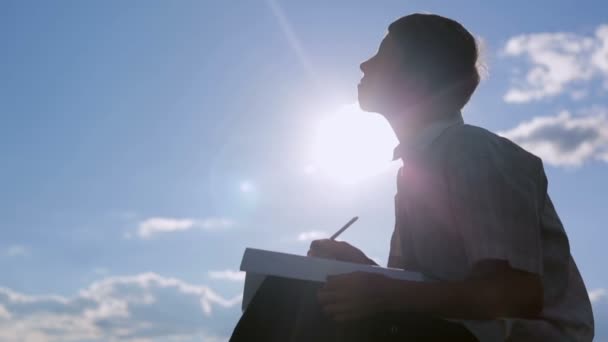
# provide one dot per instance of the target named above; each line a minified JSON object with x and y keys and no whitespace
{"x":259,"y":263}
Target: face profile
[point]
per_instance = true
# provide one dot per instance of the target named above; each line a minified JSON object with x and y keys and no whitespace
{"x":380,"y":86}
{"x":426,"y":63}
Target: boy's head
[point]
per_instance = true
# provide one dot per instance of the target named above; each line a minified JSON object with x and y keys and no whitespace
{"x":424,"y":60}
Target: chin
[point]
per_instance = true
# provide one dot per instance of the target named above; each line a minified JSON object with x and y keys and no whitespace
{"x":363,"y":105}
{"x":366,"y":103}
{"x":363,"y":99}
{"x":369,"y":101}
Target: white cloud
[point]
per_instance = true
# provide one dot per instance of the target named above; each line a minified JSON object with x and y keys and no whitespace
{"x":312,"y":235}
{"x":143,"y":307}
{"x":227,"y":275}
{"x":558,"y":62}
{"x":16,"y":250}
{"x":157,"y":225}
{"x":597,"y":294}
{"x":564,"y":139}
{"x":600,"y":56}
{"x":4,"y":314}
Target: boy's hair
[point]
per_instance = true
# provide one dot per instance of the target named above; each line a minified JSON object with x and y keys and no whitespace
{"x":441,"y":51}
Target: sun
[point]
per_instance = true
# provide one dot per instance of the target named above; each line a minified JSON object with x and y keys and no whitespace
{"x":351,"y":145}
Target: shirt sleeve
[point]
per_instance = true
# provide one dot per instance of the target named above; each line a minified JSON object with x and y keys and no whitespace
{"x":394,"y":257}
{"x":497,"y":211}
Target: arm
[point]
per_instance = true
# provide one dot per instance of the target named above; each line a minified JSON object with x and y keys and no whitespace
{"x":497,"y":217}
{"x":496,"y":209}
{"x":494,"y":290}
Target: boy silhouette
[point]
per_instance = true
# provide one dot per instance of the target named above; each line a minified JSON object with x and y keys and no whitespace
{"x":471,"y":212}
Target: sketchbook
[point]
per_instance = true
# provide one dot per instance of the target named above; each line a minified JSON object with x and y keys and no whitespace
{"x":258,"y":264}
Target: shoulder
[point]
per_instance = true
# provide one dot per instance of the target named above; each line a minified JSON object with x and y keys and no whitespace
{"x":472,"y":150}
{"x":467,"y":142}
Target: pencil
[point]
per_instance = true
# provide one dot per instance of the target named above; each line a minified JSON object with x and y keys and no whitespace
{"x":333,"y":237}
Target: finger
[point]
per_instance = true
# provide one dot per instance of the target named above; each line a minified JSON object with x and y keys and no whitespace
{"x":321,"y":254}
{"x":320,"y":243}
{"x":321,"y":248}
{"x":344,"y":245}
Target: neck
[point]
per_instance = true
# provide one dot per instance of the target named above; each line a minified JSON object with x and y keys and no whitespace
{"x":406,"y":124}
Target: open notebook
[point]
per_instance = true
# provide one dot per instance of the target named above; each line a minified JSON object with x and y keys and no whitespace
{"x":260,"y":263}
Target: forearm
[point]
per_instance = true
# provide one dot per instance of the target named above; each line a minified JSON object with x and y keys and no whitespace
{"x":467,"y":299}
{"x":443,"y":299}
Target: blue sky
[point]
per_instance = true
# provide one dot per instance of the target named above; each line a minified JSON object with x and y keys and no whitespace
{"x":145,"y":144}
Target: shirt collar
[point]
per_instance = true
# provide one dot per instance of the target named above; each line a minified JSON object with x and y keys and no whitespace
{"x":426,"y":136}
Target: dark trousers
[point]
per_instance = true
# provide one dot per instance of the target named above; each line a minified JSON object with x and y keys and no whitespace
{"x":287,"y":310}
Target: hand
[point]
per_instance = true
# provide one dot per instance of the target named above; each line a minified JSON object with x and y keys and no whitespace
{"x":354,"y":295}
{"x":338,"y":250}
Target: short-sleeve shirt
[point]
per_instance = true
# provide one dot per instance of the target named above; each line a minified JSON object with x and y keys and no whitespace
{"x":465,"y":195}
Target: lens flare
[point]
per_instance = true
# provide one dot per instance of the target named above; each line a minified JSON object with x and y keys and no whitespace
{"x":351,"y":145}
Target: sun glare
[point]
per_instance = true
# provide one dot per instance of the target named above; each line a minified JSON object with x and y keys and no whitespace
{"x":247,"y":186}
{"x":351,"y":145}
